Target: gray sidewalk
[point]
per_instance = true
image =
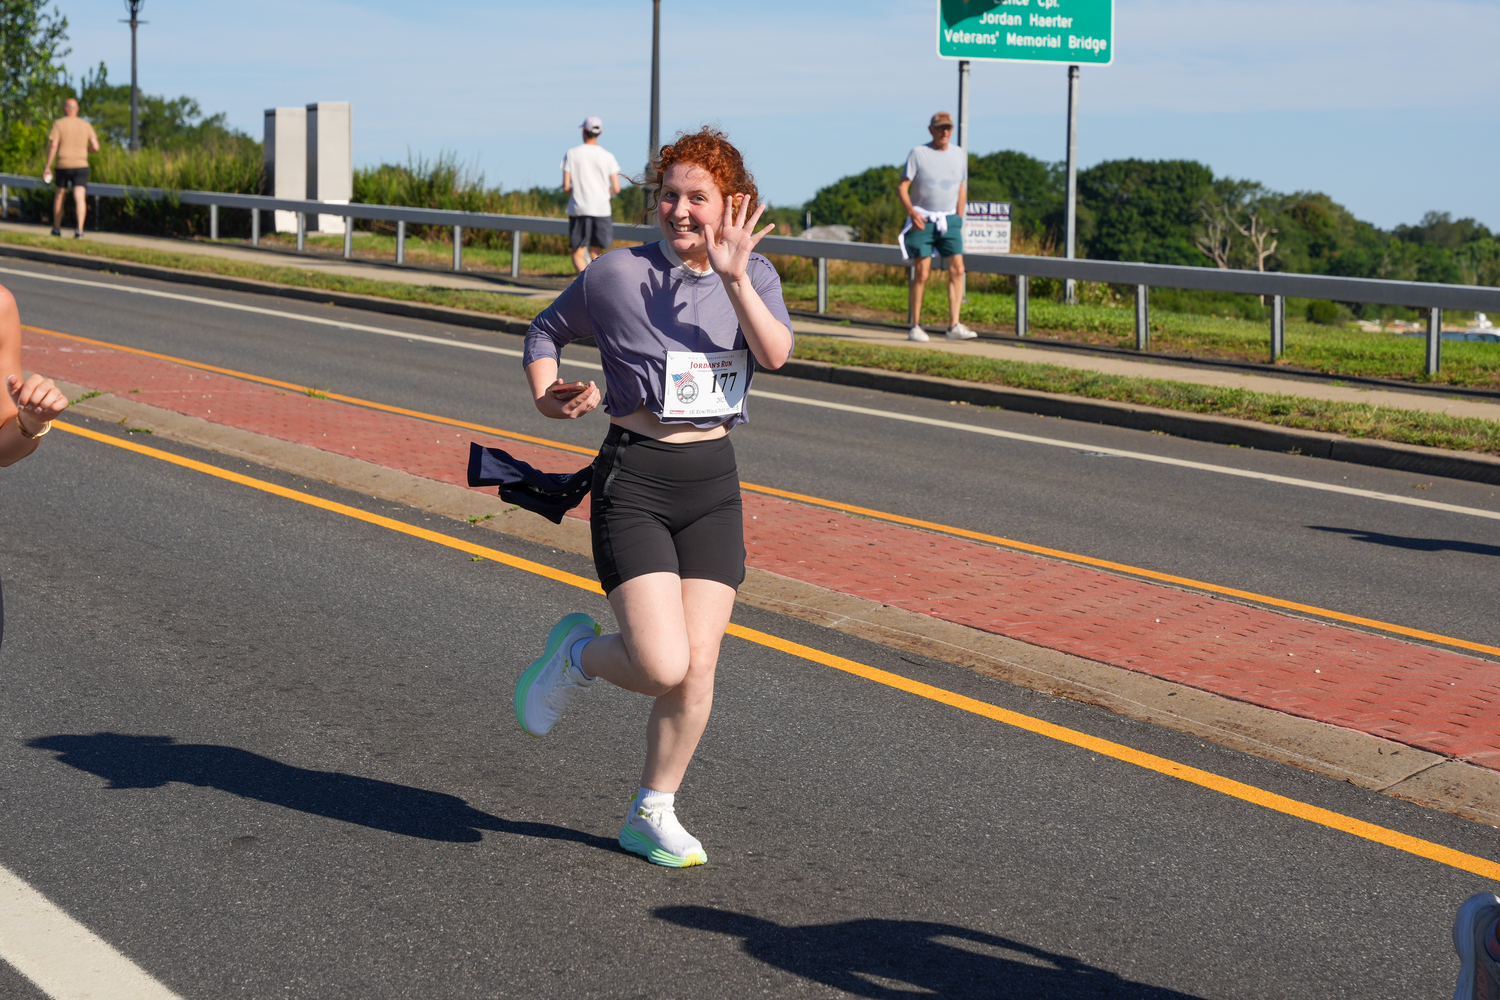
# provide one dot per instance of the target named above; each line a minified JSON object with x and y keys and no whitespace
{"x":1037,"y":354}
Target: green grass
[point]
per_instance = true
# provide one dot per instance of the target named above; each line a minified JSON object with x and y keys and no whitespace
{"x":482,"y":302}
{"x":1335,"y":350}
{"x":1357,"y":420}
{"x":378,"y":246}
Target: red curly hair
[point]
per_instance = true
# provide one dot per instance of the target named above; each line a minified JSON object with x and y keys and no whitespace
{"x":710,"y":149}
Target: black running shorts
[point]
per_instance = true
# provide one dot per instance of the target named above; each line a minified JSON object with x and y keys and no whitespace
{"x":67,"y":177}
{"x":666,"y":508}
{"x":591,"y":231}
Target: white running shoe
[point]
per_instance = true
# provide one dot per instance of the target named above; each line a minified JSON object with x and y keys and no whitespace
{"x":960,"y":332}
{"x":547,"y":686}
{"x":652,"y":831}
{"x":918,"y":334}
{"x":1478,"y":977}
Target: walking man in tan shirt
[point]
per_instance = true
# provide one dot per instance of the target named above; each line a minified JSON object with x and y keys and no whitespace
{"x":70,"y":142}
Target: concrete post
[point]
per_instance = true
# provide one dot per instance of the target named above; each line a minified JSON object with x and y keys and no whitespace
{"x":286,"y":161}
{"x":330,"y":160}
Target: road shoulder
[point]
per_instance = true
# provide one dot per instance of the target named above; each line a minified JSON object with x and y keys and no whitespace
{"x":1426,"y":779}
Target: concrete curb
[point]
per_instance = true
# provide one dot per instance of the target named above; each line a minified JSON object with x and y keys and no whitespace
{"x":1415,"y":459}
{"x":1199,"y":427}
{"x":1427,"y":779}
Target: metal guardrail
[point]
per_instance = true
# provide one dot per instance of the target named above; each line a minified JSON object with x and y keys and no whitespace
{"x":1278,"y":285}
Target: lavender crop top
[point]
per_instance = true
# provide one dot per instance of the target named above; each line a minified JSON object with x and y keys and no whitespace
{"x":638,"y":304}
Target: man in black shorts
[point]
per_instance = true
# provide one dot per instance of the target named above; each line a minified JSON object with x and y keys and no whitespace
{"x":70,"y":142}
{"x":591,"y":175}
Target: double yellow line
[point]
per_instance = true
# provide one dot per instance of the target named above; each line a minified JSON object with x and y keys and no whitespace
{"x":1161,"y":765}
{"x":879,"y":515}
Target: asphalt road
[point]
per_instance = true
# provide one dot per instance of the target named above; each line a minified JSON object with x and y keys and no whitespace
{"x":266,"y":750}
{"x":1426,"y":569}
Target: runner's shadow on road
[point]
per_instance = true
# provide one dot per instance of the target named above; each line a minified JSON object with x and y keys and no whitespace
{"x":1408,"y":542}
{"x":890,"y":959}
{"x":154,"y":761}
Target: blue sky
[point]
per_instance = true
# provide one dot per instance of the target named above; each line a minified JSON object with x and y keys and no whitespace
{"x":1390,"y":106}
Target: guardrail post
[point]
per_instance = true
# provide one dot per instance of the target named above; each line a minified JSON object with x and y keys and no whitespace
{"x":1278,"y":326}
{"x":4,"y":201}
{"x":458,"y":248}
{"x":515,"y":252}
{"x":348,"y":236}
{"x":213,"y":220}
{"x":301,"y":231}
{"x":255,"y":227}
{"x":1021,"y":293}
{"x":822,"y":285}
{"x":1434,"y":340}
{"x":98,"y":210}
{"x":1142,"y":318}
{"x":401,"y":241}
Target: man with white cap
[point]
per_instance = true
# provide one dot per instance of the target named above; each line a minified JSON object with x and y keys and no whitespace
{"x":592,"y":175}
{"x":932,"y":191}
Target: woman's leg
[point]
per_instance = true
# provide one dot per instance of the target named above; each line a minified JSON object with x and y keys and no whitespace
{"x":667,"y":647}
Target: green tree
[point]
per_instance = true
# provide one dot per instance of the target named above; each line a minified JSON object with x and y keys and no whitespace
{"x":866,"y":201}
{"x":32,"y":81}
{"x":1145,"y":210}
{"x":1036,"y":190}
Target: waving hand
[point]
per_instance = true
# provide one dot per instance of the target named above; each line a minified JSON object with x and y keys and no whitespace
{"x":729,"y":246}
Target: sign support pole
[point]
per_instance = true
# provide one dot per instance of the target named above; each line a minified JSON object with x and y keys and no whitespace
{"x":655,"y":84}
{"x":1070,"y":289}
{"x":962,"y":136}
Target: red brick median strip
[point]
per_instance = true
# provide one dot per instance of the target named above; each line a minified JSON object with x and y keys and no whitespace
{"x":1433,"y":699}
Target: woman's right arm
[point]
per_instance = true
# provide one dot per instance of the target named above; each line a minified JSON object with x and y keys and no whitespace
{"x":37,"y":396}
{"x":564,"y":321}
{"x":542,"y":374}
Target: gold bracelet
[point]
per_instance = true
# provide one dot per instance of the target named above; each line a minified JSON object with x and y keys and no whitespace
{"x":27,"y":434}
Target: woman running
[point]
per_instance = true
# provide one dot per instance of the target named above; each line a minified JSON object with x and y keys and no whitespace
{"x":675,"y":323}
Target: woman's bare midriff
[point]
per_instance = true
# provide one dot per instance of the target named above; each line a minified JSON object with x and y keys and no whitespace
{"x":643,"y":421}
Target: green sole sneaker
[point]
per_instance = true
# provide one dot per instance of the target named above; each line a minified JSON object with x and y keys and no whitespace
{"x":554,"y":655}
{"x":638,"y":843}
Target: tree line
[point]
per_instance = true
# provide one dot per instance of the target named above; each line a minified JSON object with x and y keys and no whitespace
{"x":1179,"y":212}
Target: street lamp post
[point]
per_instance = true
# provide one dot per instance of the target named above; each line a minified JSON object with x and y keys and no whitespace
{"x":655,"y":83}
{"x":134,"y":6}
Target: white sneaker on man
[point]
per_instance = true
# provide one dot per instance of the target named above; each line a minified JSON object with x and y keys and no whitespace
{"x":918,"y":334}
{"x":652,"y":831}
{"x":960,"y":332}
{"x":545,"y":689}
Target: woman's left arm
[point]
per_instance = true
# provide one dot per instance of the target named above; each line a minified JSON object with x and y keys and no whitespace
{"x":770,"y":339}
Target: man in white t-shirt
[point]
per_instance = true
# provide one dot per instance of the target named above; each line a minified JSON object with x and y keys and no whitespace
{"x":592,"y":174}
{"x":932,"y":189}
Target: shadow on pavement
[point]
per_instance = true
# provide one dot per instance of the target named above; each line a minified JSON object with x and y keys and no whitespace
{"x":890,"y":959}
{"x":153,"y":761}
{"x":1414,"y":544}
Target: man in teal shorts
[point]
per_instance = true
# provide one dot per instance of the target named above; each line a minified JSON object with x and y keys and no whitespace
{"x":932,"y":189}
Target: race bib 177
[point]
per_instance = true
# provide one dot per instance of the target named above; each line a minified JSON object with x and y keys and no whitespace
{"x":704,"y":385}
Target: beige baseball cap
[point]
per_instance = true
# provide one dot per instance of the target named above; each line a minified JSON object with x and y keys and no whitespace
{"x":941,"y":118}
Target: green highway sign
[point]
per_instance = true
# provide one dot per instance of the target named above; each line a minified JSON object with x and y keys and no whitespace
{"x":1048,"y":31}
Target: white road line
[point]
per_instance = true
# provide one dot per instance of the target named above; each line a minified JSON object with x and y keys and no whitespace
{"x":779,"y":397}
{"x":280,"y":314}
{"x":1141,"y":456}
{"x":63,"y":958}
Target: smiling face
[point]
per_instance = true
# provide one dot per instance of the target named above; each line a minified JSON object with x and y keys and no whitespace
{"x":689,"y":198}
